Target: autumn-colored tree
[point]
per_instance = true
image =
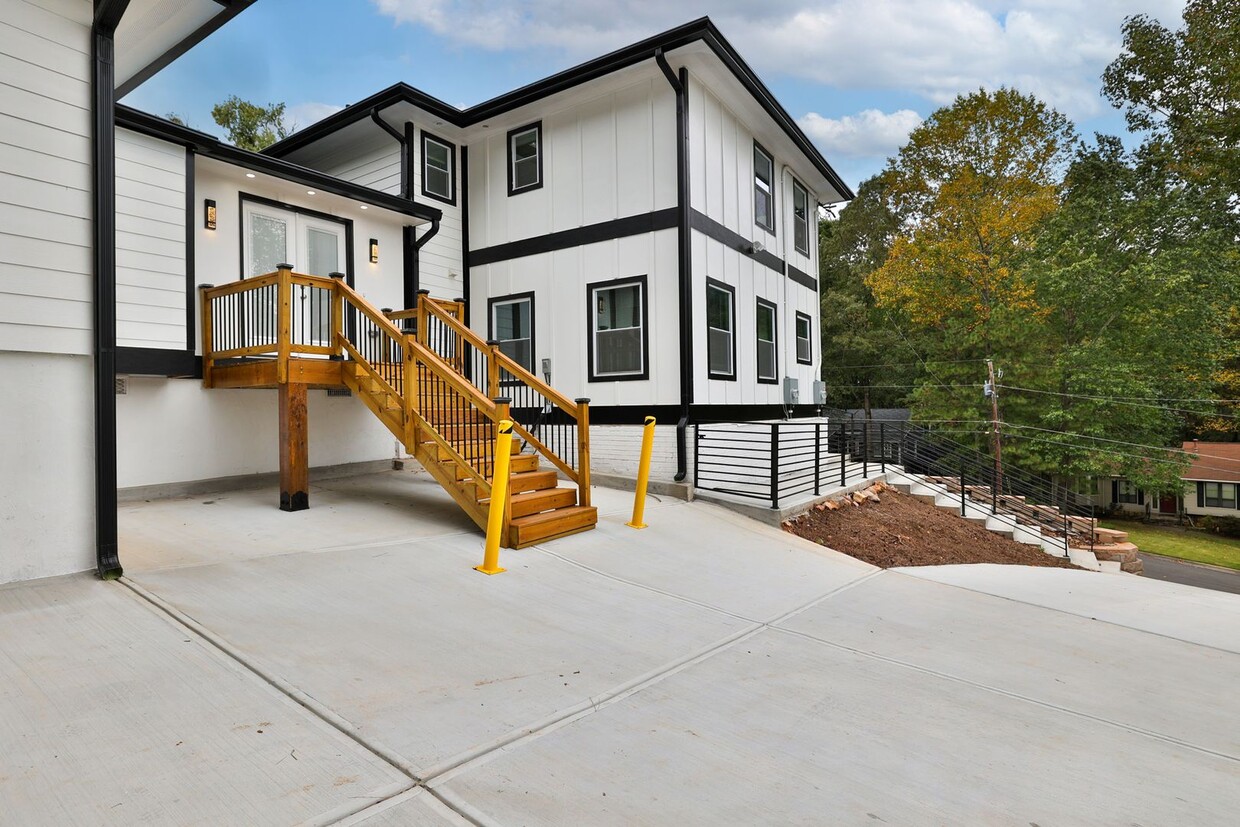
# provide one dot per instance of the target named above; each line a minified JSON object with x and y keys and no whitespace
{"x":972,"y":184}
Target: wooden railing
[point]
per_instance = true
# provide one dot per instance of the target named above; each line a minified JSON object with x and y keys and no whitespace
{"x":411,"y":388}
{"x":550,"y":424}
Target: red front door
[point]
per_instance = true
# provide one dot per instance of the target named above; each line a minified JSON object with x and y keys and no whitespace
{"x":1167,"y":505}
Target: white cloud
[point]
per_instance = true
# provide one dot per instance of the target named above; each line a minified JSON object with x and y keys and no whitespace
{"x":868,"y":134}
{"x":933,"y":48}
{"x":300,"y":115}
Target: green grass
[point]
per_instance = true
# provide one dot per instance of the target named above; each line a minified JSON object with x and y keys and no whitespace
{"x":1185,"y":544}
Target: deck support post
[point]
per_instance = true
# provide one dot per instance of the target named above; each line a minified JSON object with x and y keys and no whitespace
{"x":294,"y":448}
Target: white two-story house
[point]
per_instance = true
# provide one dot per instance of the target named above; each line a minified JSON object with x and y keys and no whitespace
{"x":640,"y":228}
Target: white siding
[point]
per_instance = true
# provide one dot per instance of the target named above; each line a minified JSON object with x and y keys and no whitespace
{"x":378,"y":167}
{"x":609,"y":157}
{"x":150,"y":242}
{"x":45,"y":205}
{"x":561,"y":327}
{"x":722,"y":188}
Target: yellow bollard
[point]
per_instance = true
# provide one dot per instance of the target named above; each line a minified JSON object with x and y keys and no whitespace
{"x":499,"y":490}
{"x":643,"y":475}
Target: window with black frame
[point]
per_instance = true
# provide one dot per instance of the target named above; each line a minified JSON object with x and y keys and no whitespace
{"x":800,"y":217}
{"x":763,"y":188}
{"x":512,"y":325}
{"x":1219,"y":494}
{"x":768,"y":361}
{"x":720,"y":330}
{"x":618,"y":329}
{"x":805,"y":327}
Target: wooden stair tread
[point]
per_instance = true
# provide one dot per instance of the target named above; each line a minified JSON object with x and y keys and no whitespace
{"x":549,"y":525}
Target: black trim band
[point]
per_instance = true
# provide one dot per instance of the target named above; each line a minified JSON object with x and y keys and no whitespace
{"x":802,"y":278}
{"x":668,"y":414}
{"x":153,"y":361}
{"x":576,"y":237}
{"x":710,"y":227}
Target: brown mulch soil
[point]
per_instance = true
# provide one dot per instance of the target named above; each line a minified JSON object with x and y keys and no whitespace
{"x":900,"y":530}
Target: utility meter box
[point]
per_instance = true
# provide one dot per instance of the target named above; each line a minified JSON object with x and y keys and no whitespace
{"x":792,"y":391}
{"x":820,"y":392}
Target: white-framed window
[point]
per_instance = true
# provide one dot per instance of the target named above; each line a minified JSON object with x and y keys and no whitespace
{"x":438,"y":169}
{"x":805,"y":328}
{"x":763,"y":188}
{"x":617,"y":342}
{"x":1127,"y":492}
{"x":1218,"y":494}
{"x":525,"y":158}
{"x":800,"y":217}
{"x":720,"y":330}
{"x":512,"y":325}
{"x":768,"y":360}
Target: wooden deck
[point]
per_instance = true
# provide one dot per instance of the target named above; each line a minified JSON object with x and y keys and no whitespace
{"x":264,"y":373}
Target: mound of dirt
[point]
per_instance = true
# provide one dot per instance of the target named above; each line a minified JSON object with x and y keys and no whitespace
{"x":886,"y":528}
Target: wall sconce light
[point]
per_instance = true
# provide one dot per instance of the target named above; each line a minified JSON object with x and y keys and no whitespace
{"x":374,"y":251}
{"x":209,"y":214}
{"x":754,"y":247}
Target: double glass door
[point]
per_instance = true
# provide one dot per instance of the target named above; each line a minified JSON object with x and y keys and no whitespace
{"x":314,"y":246}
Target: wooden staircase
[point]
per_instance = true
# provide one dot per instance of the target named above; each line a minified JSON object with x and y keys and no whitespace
{"x":437,"y":391}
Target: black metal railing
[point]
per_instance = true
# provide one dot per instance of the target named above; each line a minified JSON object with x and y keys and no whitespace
{"x":783,"y":462}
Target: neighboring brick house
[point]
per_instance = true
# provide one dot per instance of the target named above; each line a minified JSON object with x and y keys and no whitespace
{"x":1212,"y":486}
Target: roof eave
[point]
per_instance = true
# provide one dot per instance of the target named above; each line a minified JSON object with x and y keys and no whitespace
{"x":211,"y":147}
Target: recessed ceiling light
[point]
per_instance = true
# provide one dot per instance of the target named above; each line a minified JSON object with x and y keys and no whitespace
{"x":364,"y":207}
{"x":310,"y":192}
{"x":249,"y":175}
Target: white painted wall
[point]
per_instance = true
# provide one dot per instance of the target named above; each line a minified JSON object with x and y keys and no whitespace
{"x":559,"y":281}
{"x":45,"y":203}
{"x":174,"y":430}
{"x":150,"y":242}
{"x":47,"y":491}
{"x":47,"y":506}
{"x":603,"y":158}
{"x":377,"y":165}
{"x":722,"y":187}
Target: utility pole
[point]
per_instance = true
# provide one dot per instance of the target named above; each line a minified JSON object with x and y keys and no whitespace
{"x":992,"y":390}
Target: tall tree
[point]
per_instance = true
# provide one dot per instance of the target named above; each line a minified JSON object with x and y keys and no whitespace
{"x":1183,"y":87}
{"x":972,"y":184}
{"x":1135,"y":274}
{"x":249,"y":125}
{"x":863,"y":358}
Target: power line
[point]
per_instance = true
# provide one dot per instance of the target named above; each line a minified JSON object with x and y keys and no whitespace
{"x":905,"y":364}
{"x":1103,"y":439}
{"x":1116,"y":401}
{"x":1117,"y":453}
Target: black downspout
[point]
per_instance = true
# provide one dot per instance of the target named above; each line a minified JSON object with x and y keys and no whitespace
{"x":413,"y":274}
{"x":405,"y":140}
{"x":680,"y":85}
{"x":465,"y":228}
{"x":108,"y":15}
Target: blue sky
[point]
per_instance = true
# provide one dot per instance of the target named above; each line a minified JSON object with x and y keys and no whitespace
{"x":856,"y":74}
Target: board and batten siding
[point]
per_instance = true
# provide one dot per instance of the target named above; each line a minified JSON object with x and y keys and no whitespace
{"x":605,"y":158}
{"x":378,"y":167}
{"x":45,"y":177}
{"x":150,"y":242}
{"x":722,"y":188}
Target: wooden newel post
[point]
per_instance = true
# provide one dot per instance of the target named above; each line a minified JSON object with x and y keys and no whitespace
{"x":208,"y":335}
{"x":423,"y":297}
{"x":493,"y":368}
{"x":284,"y":321}
{"x":583,"y":451}
{"x":337,"y":315}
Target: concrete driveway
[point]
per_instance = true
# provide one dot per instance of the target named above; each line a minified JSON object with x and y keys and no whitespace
{"x":706,"y":670}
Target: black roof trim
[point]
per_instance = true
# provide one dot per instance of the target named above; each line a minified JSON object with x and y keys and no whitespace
{"x":231,"y":9}
{"x":211,"y":147}
{"x":701,"y":29}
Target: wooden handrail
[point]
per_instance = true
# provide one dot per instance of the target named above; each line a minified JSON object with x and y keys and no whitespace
{"x":367,"y":310}
{"x":241,"y":286}
{"x":505,"y":361}
{"x":397,"y":315}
